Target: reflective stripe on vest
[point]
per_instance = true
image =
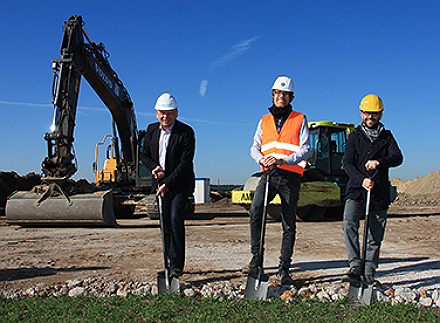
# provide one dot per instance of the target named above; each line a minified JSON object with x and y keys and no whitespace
{"x":284,"y":143}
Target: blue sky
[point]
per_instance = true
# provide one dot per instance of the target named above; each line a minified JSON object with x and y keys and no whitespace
{"x":220,"y":59}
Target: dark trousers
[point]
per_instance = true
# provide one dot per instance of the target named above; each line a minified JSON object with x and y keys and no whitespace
{"x":174,"y":227}
{"x":288,"y":189}
{"x":353,"y":212}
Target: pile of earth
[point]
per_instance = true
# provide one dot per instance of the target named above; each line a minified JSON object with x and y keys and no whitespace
{"x":423,"y":191}
{"x":11,"y":182}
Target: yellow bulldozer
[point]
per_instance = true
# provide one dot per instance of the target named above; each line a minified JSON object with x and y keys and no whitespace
{"x":323,"y":184}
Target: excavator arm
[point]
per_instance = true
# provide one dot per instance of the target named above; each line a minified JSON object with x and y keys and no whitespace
{"x":91,"y":61}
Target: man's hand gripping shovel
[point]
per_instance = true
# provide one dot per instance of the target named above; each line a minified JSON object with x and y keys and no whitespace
{"x":165,"y":283}
{"x":256,"y":287}
{"x":360,"y":293}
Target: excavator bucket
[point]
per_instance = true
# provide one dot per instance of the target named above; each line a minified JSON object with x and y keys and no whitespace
{"x":88,"y":209}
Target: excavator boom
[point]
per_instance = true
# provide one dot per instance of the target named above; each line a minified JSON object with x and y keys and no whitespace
{"x":91,"y":61}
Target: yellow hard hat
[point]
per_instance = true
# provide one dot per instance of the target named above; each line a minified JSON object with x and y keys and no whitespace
{"x":371,"y":103}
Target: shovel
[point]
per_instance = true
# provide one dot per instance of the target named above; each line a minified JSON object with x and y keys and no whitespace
{"x":256,"y":287}
{"x":165,"y":283}
{"x":360,"y":293}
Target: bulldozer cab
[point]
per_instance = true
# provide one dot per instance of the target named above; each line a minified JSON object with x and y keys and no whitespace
{"x":327,"y":145}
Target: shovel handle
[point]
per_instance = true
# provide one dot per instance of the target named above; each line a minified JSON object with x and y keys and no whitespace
{"x":162,"y":229}
{"x":264,"y":216}
{"x":367,"y":219}
{"x":366,"y":229}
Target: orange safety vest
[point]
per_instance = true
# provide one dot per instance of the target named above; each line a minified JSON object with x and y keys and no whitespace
{"x":284,"y":143}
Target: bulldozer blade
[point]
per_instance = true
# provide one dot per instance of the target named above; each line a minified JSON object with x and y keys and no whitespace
{"x":93,"y":209}
{"x":167,"y":284}
{"x":359,"y":294}
{"x":256,"y":287}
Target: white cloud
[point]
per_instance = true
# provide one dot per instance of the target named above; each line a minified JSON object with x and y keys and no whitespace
{"x":236,"y":51}
{"x":203,"y":87}
{"x":27,"y":104}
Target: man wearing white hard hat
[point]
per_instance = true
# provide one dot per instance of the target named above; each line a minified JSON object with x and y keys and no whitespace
{"x":281,"y":146}
{"x":168,"y":152}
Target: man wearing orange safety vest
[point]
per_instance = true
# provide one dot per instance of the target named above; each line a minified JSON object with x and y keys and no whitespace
{"x":281,"y":143}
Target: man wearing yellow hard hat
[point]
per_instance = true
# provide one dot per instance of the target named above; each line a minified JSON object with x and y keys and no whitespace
{"x":369,"y":153}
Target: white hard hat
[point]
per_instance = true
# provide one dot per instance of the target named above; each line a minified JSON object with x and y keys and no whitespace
{"x":166,"y":102}
{"x":283,"y":83}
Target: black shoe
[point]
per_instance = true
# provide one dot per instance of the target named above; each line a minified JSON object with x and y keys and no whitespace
{"x":284,"y":276}
{"x":353,"y":275}
{"x":252,"y":268}
{"x":176,"y":272}
{"x":371,"y":280}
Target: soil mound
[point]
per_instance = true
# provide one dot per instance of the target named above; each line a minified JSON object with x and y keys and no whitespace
{"x":423,"y":191}
{"x":401,"y":184}
{"x":11,"y":182}
{"x":428,"y":184}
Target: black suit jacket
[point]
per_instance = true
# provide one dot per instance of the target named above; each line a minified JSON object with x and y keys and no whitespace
{"x":179,"y":169}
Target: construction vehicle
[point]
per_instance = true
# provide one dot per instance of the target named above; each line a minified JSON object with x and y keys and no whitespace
{"x":123,"y":183}
{"x":323,"y":183}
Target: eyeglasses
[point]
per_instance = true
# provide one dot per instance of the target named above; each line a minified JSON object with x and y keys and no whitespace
{"x":281,"y":93}
{"x":372,"y":113}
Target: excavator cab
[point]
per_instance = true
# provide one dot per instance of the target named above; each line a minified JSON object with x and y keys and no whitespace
{"x":143,"y":174}
{"x":108,"y":175}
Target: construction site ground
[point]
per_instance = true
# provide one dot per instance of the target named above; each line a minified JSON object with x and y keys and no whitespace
{"x":217,"y":245}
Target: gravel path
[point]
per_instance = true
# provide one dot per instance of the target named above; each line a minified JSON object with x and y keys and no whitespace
{"x":123,"y":261}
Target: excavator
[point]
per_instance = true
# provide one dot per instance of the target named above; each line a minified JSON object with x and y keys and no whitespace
{"x":122,"y":183}
{"x":323,"y":183}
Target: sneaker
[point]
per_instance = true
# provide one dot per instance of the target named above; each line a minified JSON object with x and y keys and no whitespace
{"x":283,"y":275}
{"x":371,"y":280}
{"x":353,"y":275}
{"x":252,"y":268}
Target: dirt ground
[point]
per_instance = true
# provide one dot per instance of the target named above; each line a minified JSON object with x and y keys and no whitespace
{"x":217,"y":247}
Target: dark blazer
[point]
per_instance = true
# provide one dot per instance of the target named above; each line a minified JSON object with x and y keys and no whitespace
{"x":179,"y":169}
{"x":358,"y":150}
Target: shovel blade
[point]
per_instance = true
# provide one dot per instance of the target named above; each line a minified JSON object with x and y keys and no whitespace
{"x":366,"y":295}
{"x":359,"y":294}
{"x":165,"y":288}
{"x":256,"y":289}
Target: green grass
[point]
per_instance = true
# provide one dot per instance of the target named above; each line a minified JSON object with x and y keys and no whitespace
{"x":174,"y":308}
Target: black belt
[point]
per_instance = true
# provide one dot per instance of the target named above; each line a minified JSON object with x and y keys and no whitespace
{"x":286,"y":175}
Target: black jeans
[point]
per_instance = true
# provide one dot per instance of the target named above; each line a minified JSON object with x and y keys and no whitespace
{"x":288,"y":189}
{"x":174,"y":227}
